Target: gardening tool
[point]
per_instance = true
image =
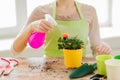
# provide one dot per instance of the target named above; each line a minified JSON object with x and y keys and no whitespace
{"x":83,"y":70}
{"x":7,"y":65}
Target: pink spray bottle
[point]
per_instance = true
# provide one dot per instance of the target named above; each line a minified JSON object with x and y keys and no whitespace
{"x":36,"y":39}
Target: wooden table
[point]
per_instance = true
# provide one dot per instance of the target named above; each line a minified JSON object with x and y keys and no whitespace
{"x":34,"y":69}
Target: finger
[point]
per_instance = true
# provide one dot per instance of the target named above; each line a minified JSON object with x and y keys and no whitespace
{"x":48,"y":24}
{"x":43,"y":27}
{"x":108,"y":51}
{"x":102,"y":51}
{"x":105,"y":50}
{"x":98,"y":48}
{"x":37,"y":29}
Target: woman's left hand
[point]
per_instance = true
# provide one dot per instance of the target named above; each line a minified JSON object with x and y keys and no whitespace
{"x":103,"y":48}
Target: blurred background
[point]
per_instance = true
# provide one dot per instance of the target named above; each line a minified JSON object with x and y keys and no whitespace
{"x":14,"y":13}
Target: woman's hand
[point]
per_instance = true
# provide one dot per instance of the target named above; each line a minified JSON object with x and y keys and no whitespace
{"x":36,"y":26}
{"x":41,"y":26}
{"x":103,"y":48}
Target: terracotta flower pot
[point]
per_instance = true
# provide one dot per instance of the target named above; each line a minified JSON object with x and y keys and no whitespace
{"x":73,"y":58}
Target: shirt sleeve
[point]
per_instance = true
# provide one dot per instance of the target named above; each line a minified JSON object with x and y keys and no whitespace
{"x":37,"y":14}
{"x":94,"y":33}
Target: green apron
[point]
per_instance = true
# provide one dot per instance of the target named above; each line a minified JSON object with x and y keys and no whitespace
{"x":78,"y":27}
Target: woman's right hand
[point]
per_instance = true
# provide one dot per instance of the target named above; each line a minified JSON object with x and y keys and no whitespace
{"x":21,"y":40}
{"x":41,"y":26}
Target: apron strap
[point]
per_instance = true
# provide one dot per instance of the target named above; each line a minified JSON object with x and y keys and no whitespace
{"x":54,"y":10}
{"x":78,"y":9}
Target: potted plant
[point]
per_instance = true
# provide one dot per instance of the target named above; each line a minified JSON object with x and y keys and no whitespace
{"x":72,"y":49}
